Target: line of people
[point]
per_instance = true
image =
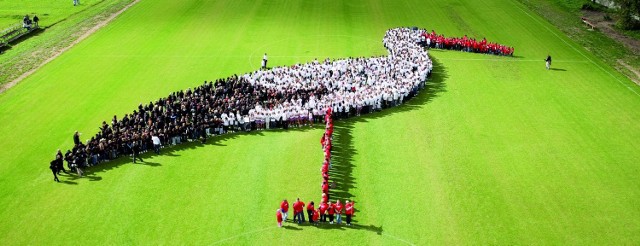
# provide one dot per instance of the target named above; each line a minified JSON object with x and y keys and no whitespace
{"x":439,"y":41}
{"x":281,"y":97}
{"x":326,"y":212}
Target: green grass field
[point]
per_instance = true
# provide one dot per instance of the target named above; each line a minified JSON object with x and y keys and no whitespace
{"x":497,"y":150}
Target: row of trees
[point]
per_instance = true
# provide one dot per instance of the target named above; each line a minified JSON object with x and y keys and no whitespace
{"x":629,"y":11}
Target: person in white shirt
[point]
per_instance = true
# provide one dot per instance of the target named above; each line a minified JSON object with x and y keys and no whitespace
{"x":156,"y":143}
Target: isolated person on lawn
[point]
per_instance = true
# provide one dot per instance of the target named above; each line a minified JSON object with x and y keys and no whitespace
{"x":53,"y":168}
{"x":264,"y":61}
{"x":548,"y":62}
{"x":279,"y":217}
{"x":284,"y":206}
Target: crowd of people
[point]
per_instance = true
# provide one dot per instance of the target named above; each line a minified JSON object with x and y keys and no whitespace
{"x":280,"y":97}
{"x":439,"y":41}
{"x":28,"y":23}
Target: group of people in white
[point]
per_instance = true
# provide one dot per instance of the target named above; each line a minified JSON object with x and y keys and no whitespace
{"x":352,"y":84}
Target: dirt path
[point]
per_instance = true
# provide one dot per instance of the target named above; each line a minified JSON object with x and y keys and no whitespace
{"x":95,"y":28}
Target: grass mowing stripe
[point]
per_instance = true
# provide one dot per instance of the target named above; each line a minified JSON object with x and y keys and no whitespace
{"x":574,"y":48}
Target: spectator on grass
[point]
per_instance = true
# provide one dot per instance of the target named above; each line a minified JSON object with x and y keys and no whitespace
{"x":76,"y":2}
{"x":35,"y":21}
{"x":548,"y":62}
{"x":298,"y":214}
{"x":54,"y":170}
{"x":59,"y":162}
{"x":331,"y":210}
{"x":264,"y":61}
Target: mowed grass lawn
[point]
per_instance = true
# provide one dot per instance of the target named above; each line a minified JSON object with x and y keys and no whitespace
{"x":497,"y":150}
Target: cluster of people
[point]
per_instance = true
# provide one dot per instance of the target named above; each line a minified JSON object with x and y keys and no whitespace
{"x":27,"y":23}
{"x":433,"y":40}
{"x":281,"y":97}
{"x":326,"y":212}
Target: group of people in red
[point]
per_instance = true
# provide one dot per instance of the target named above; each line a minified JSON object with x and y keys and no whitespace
{"x":434,"y":40}
{"x":327,"y":210}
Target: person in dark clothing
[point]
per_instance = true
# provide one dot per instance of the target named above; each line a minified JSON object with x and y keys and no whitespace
{"x":53,"y":168}
{"x":35,"y":20}
{"x":135,"y":148}
{"x":548,"y":62}
{"x":59,"y":163}
{"x":76,"y":138}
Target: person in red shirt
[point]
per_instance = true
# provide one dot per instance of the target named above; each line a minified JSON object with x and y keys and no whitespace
{"x":310,"y":209}
{"x":323,"y":210}
{"x":331,"y":210}
{"x":349,"y":211}
{"x":325,"y":187}
{"x":284,"y":206}
{"x":279,"y":217}
{"x":339,"y":208}
{"x":316,"y":216}
{"x":298,"y":208}
{"x":325,"y":197}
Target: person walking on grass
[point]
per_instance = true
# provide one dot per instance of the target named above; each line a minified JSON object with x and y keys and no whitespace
{"x":52,"y":166}
{"x":548,"y":62}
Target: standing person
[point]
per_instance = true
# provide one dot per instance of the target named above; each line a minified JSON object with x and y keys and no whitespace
{"x":323,"y":210}
{"x":331,"y":210}
{"x":76,"y":138}
{"x":316,"y":216}
{"x":60,"y":162}
{"x":339,"y":208}
{"x":35,"y":20}
{"x":52,"y":166}
{"x":298,"y":214}
{"x":76,"y":2}
{"x":135,"y":148}
{"x":548,"y":62}
{"x":264,"y":61}
{"x":156,"y":143}
{"x":279,"y":217}
{"x":349,"y":211}
{"x":284,"y":206}
{"x":310,"y":209}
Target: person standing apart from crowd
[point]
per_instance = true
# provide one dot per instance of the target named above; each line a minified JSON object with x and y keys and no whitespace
{"x":279,"y":217}
{"x":35,"y":20}
{"x":284,"y":206}
{"x":76,"y":138}
{"x":52,"y":166}
{"x":348,"y":211}
{"x":548,"y":62}
{"x":264,"y":61}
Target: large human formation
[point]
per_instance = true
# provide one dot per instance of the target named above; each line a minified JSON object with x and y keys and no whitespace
{"x":281,"y":97}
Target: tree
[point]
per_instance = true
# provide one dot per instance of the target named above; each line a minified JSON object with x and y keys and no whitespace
{"x":628,"y":9}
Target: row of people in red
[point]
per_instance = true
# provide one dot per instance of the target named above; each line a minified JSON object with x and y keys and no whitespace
{"x":325,"y":142}
{"x":434,"y":40}
{"x":326,"y":211}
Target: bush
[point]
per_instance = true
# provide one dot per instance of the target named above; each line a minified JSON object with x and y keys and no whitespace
{"x":591,"y":6}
